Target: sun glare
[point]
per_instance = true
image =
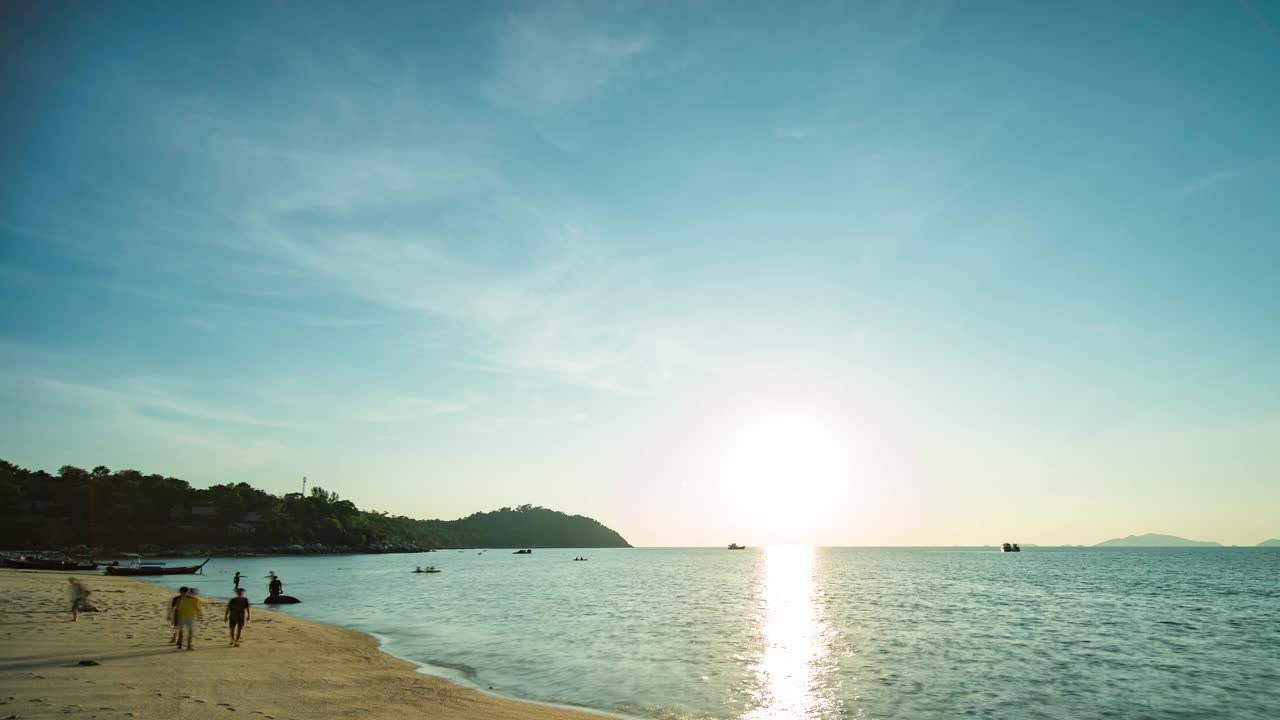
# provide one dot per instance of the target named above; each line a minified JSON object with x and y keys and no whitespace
{"x":784,"y":471}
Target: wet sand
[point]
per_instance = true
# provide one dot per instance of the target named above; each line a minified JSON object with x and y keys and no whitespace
{"x":285,"y":668}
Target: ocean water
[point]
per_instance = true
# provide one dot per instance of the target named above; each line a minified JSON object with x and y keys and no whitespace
{"x":823,"y":633}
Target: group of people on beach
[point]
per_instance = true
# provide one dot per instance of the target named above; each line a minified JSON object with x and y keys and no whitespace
{"x":186,"y":609}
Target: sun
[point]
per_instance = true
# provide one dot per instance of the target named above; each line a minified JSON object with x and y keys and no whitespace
{"x":784,"y":470}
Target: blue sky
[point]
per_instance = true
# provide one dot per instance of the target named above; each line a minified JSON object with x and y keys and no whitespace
{"x":1014,"y":260}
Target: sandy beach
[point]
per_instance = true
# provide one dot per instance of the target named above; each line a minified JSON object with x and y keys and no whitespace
{"x":286,"y":668}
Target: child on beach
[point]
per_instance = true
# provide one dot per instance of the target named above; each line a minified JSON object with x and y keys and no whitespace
{"x":187,"y":612}
{"x":236,"y":615}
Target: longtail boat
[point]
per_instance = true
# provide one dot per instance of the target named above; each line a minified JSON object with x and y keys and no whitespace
{"x":138,"y":568}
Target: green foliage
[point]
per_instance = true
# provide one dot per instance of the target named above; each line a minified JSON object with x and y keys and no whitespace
{"x":128,"y":510}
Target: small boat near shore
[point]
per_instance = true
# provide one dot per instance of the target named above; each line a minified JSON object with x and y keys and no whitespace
{"x":281,"y":600}
{"x":138,"y":568}
{"x":526,"y":551}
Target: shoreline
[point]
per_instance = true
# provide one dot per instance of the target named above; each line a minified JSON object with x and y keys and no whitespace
{"x":287,"y":668}
{"x":456,"y":677}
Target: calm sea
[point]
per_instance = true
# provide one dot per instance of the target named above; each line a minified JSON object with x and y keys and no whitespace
{"x":793,"y":632}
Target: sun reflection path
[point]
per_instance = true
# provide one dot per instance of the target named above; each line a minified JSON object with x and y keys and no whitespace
{"x":794,"y":668}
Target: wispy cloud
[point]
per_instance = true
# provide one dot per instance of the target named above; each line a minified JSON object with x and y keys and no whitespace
{"x":1262,"y":22}
{"x":504,"y":422}
{"x":412,"y":214}
{"x":142,"y":397}
{"x":555,"y":56}
{"x":1201,"y":184}
{"x":404,"y":408}
{"x":198,"y":323}
{"x":513,"y":275}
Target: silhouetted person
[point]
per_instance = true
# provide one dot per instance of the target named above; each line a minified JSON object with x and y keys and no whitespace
{"x":236,"y":615}
{"x":275,"y":587}
{"x":237,"y":580}
{"x":173,"y":611}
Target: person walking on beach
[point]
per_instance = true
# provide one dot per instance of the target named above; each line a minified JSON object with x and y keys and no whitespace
{"x":80,"y":599}
{"x":173,"y":612}
{"x":236,"y":615}
{"x":187,"y":612}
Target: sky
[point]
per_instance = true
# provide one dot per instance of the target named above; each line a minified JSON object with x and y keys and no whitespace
{"x":876,"y":273}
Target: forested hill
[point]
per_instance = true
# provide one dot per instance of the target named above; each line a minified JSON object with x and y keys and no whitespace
{"x":127,"y":510}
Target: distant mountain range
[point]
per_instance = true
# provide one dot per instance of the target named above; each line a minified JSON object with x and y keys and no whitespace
{"x":1155,"y":540}
{"x":1269,"y":543}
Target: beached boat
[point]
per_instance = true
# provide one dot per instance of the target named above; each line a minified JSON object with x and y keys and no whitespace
{"x":736,"y":546}
{"x":281,"y":600}
{"x":140,"y":568}
{"x":1010,"y":547}
{"x":44,"y":563}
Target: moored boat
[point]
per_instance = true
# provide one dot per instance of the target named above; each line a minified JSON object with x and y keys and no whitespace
{"x":736,"y":546}
{"x":138,"y":568}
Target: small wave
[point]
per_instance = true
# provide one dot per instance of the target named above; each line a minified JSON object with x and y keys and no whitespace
{"x":659,"y":712}
{"x":467,"y":671}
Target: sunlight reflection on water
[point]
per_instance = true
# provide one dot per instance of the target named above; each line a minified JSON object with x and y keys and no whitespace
{"x":792,"y":671}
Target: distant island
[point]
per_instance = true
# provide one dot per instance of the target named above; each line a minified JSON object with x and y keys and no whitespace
{"x":1155,"y":540}
{"x":1269,"y":543}
{"x":107,"y":512}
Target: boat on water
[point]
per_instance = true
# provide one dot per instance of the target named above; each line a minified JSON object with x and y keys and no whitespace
{"x":138,"y":567}
{"x":1010,"y":547}
{"x":736,"y":546}
{"x":281,"y":600}
{"x":525,"y":551}
{"x":428,"y":570}
{"x":23,"y":562}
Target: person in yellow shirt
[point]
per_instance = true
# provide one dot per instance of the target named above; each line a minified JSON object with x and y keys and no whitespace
{"x":186,"y":612}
